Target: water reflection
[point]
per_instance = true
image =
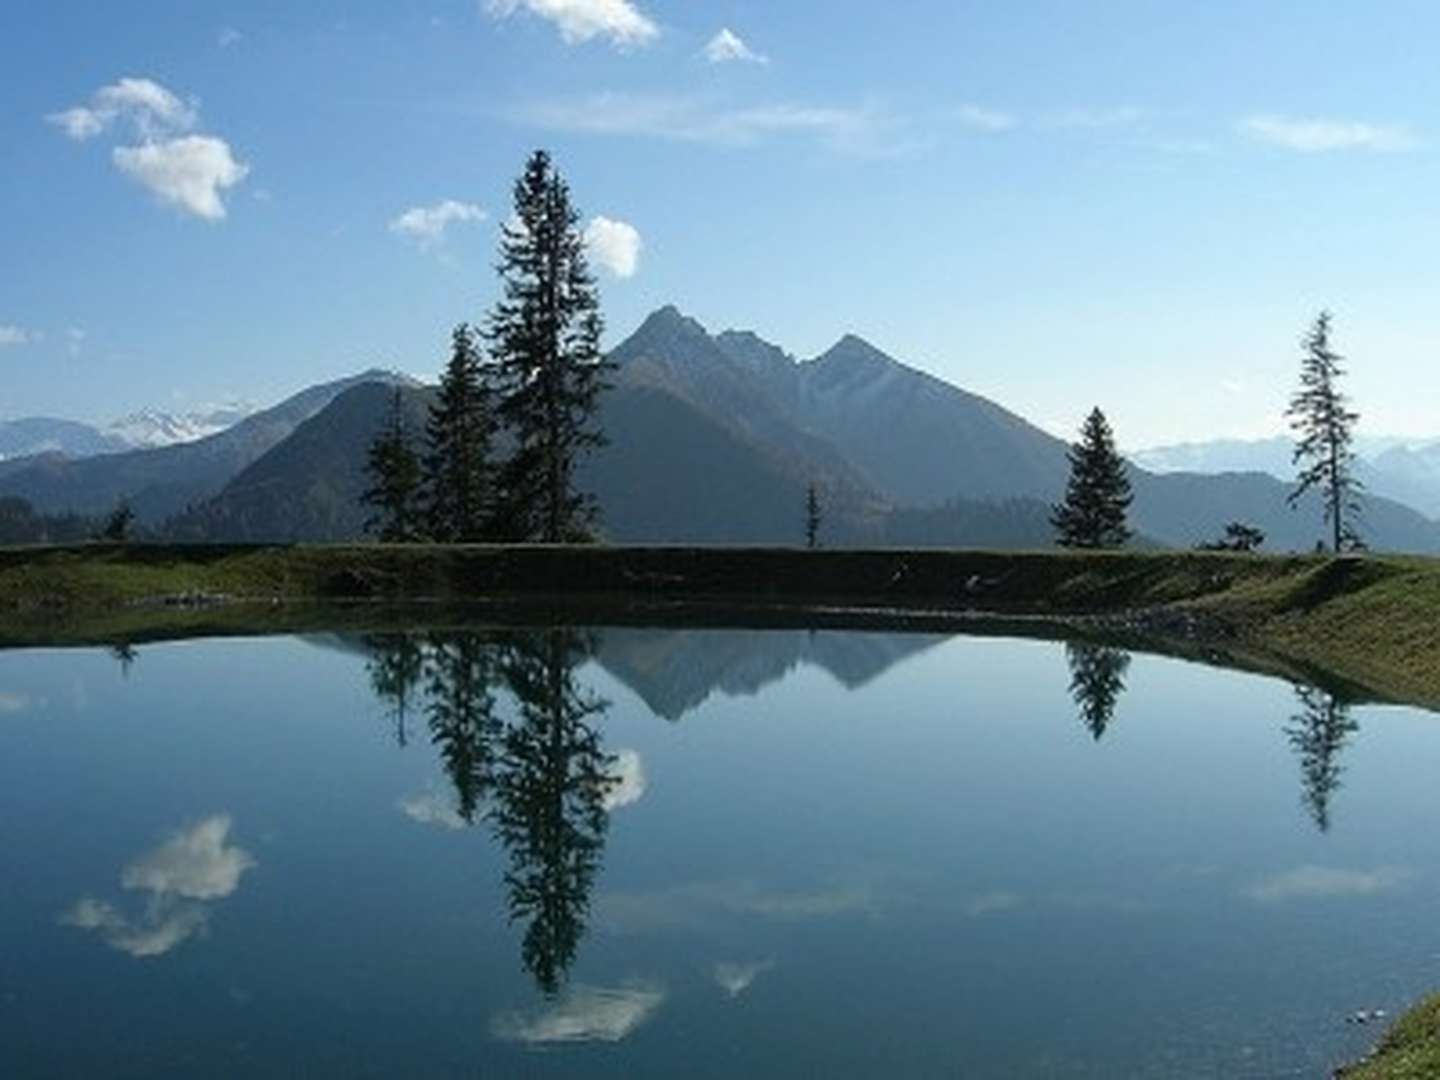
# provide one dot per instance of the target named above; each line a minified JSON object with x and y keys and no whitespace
{"x":1318,"y":732}
{"x":516,"y":734}
{"x":1097,"y":679}
{"x":195,"y":867}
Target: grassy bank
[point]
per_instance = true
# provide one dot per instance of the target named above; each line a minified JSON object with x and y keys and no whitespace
{"x":1371,"y":622}
{"x":1410,"y":1050}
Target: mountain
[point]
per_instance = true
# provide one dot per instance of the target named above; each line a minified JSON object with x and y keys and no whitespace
{"x":35,"y":435}
{"x":1404,"y":470}
{"x":163,"y":481}
{"x":150,"y":428}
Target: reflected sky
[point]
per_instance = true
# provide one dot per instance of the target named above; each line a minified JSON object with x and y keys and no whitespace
{"x":438,"y":853}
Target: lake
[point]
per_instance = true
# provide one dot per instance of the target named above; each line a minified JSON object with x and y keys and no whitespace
{"x":636,"y":852}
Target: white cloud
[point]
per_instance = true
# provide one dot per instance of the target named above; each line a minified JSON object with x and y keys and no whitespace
{"x":615,"y":245}
{"x":726,"y":47}
{"x":192,"y":867}
{"x":580,"y":20}
{"x":12,"y":702}
{"x":1320,"y":136}
{"x":698,"y":905}
{"x":584,"y":1014}
{"x":189,"y":172}
{"x":74,"y":340}
{"x":194,"y":863}
{"x":151,"y":109}
{"x":628,"y":774}
{"x":1319,"y":882}
{"x":228,"y":36}
{"x":735,"y":979}
{"x":430,"y":808}
{"x":1095,"y":119}
{"x":15,"y":335}
{"x":982,"y":119}
{"x":862,"y":129}
{"x":426,"y":225}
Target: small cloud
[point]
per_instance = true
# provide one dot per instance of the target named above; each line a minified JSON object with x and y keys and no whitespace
{"x":627,"y":775}
{"x":1322,"y":882}
{"x":981,"y":119}
{"x":726,"y":47}
{"x":430,"y":808}
{"x":583,"y":1014}
{"x":615,"y":245}
{"x":228,"y":36}
{"x":155,"y":933}
{"x":11,"y":334}
{"x":1323,"y":136}
{"x":151,"y":109}
{"x":581,"y":20}
{"x":426,"y":225}
{"x":195,"y":863}
{"x":74,"y":340}
{"x":735,"y":979}
{"x":11,"y":702}
{"x":992,"y":902}
{"x":189,"y":172}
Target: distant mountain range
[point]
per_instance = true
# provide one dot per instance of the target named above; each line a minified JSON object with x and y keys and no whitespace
{"x":34,"y":435}
{"x":1406,"y":470}
{"x":712,"y":439}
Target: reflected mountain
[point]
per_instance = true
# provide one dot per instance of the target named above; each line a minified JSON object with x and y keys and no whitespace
{"x":1097,"y":679}
{"x":516,"y":734}
{"x":1318,"y":732}
{"x":676,"y":671}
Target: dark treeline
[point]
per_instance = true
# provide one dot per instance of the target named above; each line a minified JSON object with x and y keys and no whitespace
{"x":21,"y":524}
{"x":515,"y":731}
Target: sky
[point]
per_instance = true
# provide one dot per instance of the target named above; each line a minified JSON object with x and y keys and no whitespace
{"x":1136,"y":205}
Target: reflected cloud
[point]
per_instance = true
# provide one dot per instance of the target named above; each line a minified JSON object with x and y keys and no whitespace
{"x":1321,"y":882}
{"x":697,"y":905}
{"x":582,"y":1014}
{"x":13,"y":703}
{"x":432,"y":808}
{"x":191,"y":868}
{"x":627,"y":772}
{"x":735,"y":979}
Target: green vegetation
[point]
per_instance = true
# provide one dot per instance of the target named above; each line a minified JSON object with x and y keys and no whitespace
{"x":1410,"y":1050}
{"x":1324,"y":430}
{"x":1368,"y":622}
{"x":1097,"y":493}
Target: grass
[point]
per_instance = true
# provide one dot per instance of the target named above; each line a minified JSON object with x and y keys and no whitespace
{"x":1410,"y":1050}
{"x":1371,"y":623}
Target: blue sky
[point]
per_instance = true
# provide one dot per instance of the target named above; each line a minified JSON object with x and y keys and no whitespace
{"x":1138,"y":205}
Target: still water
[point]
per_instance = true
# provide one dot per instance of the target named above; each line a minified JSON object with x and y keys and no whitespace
{"x":679,"y":852}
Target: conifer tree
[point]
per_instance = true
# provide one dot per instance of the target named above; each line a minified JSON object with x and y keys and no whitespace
{"x":812,"y":516}
{"x":457,"y":467}
{"x":1324,"y":430}
{"x":544,"y":337}
{"x":394,"y":472}
{"x":1097,"y":494}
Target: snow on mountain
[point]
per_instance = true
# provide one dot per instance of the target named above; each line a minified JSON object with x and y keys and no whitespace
{"x":150,"y":428}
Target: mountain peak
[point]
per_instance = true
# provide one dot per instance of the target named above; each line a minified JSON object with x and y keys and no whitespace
{"x":853,"y":351}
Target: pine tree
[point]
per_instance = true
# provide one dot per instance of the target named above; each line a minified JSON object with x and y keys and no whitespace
{"x":117,"y":525}
{"x":394,"y":473}
{"x":1097,"y":495}
{"x":1324,"y":430}
{"x":458,"y":472}
{"x":812,"y":517}
{"x":544,"y":337}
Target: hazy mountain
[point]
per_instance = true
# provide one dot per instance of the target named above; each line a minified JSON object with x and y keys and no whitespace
{"x":1389,"y":466}
{"x":150,"y":428}
{"x":163,"y":481}
{"x":675,"y":671}
{"x":34,"y":435}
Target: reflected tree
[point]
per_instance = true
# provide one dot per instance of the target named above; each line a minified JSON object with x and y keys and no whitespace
{"x":1097,"y":679}
{"x":461,"y":672}
{"x":125,"y":655}
{"x":396,"y":666}
{"x":1318,"y":732}
{"x":550,"y":799}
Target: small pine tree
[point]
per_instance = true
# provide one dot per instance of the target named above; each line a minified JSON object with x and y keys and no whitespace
{"x":395,"y":477}
{"x":813,"y":517}
{"x":1238,"y":537}
{"x":1324,"y":430}
{"x":117,"y":526}
{"x":544,"y":337}
{"x":458,"y":472}
{"x":1097,"y":495}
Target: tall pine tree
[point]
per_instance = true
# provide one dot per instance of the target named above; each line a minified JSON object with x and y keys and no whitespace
{"x":544,"y":337}
{"x":395,"y":478}
{"x":459,"y":476}
{"x":1097,"y":495}
{"x":1324,"y":430}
